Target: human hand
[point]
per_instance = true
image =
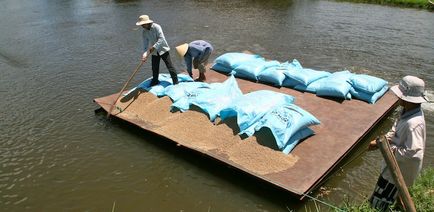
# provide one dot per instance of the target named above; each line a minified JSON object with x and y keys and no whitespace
{"x":372,"y":145}
{"x":145,"y":56}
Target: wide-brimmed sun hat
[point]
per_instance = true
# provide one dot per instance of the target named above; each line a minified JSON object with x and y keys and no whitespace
{"x":410,"y":89}
{"x":182,"y":49}
{"x":144,"y":19}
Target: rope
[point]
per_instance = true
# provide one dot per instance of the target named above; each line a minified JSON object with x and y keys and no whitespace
{"x":325,"y":203}
{"x":341,"y":168}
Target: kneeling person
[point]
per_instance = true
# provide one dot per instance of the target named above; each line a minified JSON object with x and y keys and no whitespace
{"x":196,"y":53}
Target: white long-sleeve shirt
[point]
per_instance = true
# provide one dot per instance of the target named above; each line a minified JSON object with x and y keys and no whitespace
{"x":154,"y":37}
{"x":407,"y":136}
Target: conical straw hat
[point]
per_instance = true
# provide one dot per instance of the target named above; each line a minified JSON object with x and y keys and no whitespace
{"x":182,"y":49}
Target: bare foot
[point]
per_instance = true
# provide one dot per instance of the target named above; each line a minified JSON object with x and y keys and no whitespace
{"x":201,"y":78}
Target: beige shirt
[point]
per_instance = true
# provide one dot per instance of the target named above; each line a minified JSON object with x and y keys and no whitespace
{"x":407,"y":137}
{"x":155,"y":38}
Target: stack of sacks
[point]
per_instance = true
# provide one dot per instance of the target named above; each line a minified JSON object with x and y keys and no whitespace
{"x":288,"y":123}
{"x":165,"y":80}
{"x":210,"y":99}
{"x":336,"y":85}
{"x":227,"y":62}
{"x":251,"y":107}
{"x":300,"y":78}
{"x":367,"y":88}
{"x":252,"y":68}
{"x":275,"y":75}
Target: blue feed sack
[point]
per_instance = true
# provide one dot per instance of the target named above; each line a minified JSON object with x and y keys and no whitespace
{"x":291,"y":65}
{"x":183,"y":103}
{"x":252,"y":68}
{"x":336,"y":85}
{"x":367,"y":83}
{"x":290,"y":83}
{"x":284,"y":121}
{"x":296,"y":138}
{"x":212,"y":100}
{"x":221,"y":68}
{"x":165,"y":80}
{"x":234,"y":59}
{"x":305,"y":76}
{"x":175,"y":92}
{"x":311,"y":88}
{"x":249,"y":108}
{"x":288,"y":67}
{"x":272,"y":75}
{"x":369,"y":97}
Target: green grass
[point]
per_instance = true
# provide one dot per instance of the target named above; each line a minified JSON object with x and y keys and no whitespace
{"x":422,"y":193}
{"x":404,"y":3}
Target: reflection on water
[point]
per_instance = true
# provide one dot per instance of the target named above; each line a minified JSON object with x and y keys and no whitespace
{"x":55,"y":57}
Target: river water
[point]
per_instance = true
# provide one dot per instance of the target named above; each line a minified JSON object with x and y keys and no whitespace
{"x":57,"y":56}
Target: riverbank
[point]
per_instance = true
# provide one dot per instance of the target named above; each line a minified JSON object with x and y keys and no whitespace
{"x":422,"y":193}
{"x":423,"y":4}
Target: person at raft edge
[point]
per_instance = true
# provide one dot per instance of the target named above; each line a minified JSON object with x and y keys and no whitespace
{"x":155,"y":43}
{"x":407,"y":138}
{"x":196,"y":53}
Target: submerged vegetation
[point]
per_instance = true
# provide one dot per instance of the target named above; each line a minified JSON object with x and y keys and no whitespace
{"x":426,"y":4}
{"x":422,"y":193}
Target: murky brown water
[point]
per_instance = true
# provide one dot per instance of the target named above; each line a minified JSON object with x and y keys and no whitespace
{"x":55,"y":57}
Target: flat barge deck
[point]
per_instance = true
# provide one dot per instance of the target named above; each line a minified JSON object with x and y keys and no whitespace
{"x":343,"y":125}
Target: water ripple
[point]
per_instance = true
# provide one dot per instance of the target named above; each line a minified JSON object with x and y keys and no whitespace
{"x":55,"y":58}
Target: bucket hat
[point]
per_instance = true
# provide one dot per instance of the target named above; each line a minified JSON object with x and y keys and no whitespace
{"x":410,"y":89}
{"x":182,"y":49}
{"x":144,"y":19}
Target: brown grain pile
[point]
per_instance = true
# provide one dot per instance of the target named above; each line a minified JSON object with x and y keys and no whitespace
{"x":193,"y":129}
{"x":260,"y":159}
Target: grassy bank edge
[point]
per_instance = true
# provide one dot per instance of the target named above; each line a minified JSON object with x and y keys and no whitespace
{"x":422,"y":193}
{"x":423,"y":4}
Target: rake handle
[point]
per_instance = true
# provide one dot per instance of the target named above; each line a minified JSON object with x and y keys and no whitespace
{"x":123,"y":88}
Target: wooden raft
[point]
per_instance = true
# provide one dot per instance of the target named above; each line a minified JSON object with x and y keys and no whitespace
{"x":343,"y":125}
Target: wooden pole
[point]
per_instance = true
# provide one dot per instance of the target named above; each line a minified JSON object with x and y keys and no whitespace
{"x":396,"y":174}
{"x":123,"y":88}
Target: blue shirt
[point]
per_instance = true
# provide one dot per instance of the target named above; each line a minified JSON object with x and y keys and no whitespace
{"x":198,"y":51}
{"x":155,"y":38}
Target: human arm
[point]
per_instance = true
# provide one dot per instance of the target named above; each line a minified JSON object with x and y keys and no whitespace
{"x":188,"y":63}
{"x":146,"y":52}
{"x":389,"y":135}
{"x":145,"y":56}
{"x":160,"y":38}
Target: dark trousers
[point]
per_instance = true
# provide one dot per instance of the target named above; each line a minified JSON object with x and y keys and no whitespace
{"x":384,"y":195}
{"x":169,"y":65}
